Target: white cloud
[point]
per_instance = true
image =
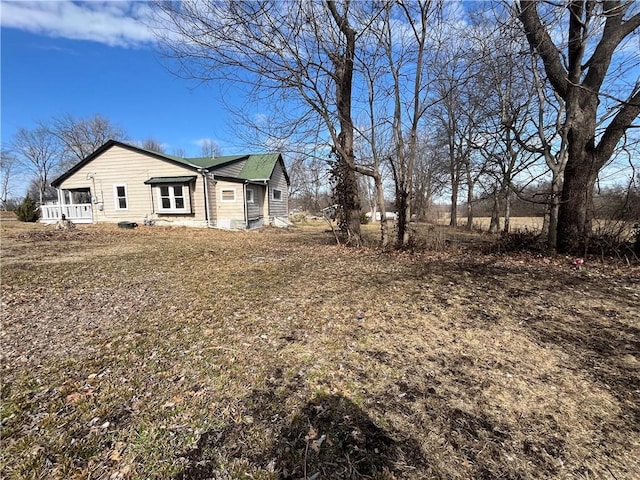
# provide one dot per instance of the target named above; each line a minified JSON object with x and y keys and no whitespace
{"x":201,"y":142}
{"x":115,"y":23}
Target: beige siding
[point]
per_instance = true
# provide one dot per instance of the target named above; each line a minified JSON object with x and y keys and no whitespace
{"x":120,"y":166}
{"x":230,"y":214}
{"x":231,"y":170}
{"x":278,"y":208}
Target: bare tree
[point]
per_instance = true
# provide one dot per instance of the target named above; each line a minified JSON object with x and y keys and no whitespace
{"x":374,"y":139}
{"x":526,"y":117}
{"x":549,"y":140}
{"x":153,"y":145}
{"x":453,"y":116}
{"x":80,"y":137}
{"x":209,"y":148}
{"x":508,"y":105}
{"x":40,"y":152}
{"x":458,"y":126}
{"x":309,"y":177}
{"x":8,"y":164}
{"x":584,"y":79}
{"x":430,"y":174}
{"x":407,"y":61}
{"x":298,"y":53}
{"x":180,"y":152}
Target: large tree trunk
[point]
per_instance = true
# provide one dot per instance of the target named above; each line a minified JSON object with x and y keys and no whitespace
{"x":576,"y":203}
{"x":343,"y":74}
{"x":578,"y":80}
{"x":346,"y":195}
{"x":469,"y":212}
{"x":575,"y":212}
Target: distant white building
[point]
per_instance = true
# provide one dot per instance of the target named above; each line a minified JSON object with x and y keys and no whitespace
{"x":389,"y":215}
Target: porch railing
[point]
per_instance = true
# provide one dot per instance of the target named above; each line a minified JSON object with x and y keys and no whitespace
{"x":78,"y":213}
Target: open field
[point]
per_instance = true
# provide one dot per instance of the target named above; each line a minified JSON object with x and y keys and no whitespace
{"x":517,"y":223}
{"x":191,"y":354}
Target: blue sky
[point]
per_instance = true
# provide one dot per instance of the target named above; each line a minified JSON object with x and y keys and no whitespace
{"x":98,"y":57}
{"x":83,"y":58}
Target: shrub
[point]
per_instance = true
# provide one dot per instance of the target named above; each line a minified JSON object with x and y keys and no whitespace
{"x":433,"y":239}
{"x":298,"y":217}
{"x":520,"y":241}
{"x":28,"y":211}
{"x":364,"y":220}
{"x":621,"y":243}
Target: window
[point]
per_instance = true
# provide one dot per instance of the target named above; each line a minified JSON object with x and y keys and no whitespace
{"x":173,"y":199}
{"x":120,"y":194}
{"x":228,"y":195}
{"x":277,"y":194}
{"x":249,"y":195}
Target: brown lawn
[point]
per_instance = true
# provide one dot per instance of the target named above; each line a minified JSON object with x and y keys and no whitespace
{"x":192,"y":354}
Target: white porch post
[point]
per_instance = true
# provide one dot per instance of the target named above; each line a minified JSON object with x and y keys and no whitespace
{"x":60,"y":200}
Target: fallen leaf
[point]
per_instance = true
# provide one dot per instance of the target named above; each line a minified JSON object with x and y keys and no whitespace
{"x":311,"y":434}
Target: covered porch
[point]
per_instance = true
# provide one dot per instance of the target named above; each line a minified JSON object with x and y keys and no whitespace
{"x":74,"y":204}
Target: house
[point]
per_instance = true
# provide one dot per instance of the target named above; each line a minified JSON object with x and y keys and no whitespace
{"x":121,"y":182}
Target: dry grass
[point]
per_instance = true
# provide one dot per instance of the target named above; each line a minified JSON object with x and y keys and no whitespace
{"x":189,"y":354}
{"x":516,"y":223}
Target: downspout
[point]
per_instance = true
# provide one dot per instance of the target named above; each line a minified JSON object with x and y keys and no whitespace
{"x":268,"y":193}
{"x":153,"y":204}
{"x":207,"y":212}
{"x":244,"y":202}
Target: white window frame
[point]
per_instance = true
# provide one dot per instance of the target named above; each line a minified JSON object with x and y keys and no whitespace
{"x":273,"y":194}
{"x":251,"y":194}
{"x":223,"y":190}
{"x":116,"y":197}
{"x":186,"y":196}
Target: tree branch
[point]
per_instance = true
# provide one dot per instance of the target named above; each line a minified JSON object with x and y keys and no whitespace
{"x":541,"y":41}
{"x":614,"y":32}
{"x":616,"y":129}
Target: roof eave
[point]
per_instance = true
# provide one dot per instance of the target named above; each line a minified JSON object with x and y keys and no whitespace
{"x":111,"y":143}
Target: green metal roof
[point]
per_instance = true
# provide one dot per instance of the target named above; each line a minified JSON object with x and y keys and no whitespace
{"x":259,"y":167}
{"x":208,"y":162}
{"x":159,"y":180}
{"x":256,"y":167}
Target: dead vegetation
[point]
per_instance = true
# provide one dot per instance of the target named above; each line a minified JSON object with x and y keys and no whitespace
{"x":193,"y":354}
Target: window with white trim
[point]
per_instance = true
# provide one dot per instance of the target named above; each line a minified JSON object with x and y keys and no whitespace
{"x":173,"y":199}
{"x":277,"y":194}
{"x":250,"y":195}
{"x":228,"y":195}
{"x":120,"y":197}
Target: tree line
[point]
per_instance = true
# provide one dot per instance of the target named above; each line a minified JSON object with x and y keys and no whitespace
{"x":481,"y":99}
{"x":50,"y":148}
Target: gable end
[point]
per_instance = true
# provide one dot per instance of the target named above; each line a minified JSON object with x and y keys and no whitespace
{"x":111,"y":143}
